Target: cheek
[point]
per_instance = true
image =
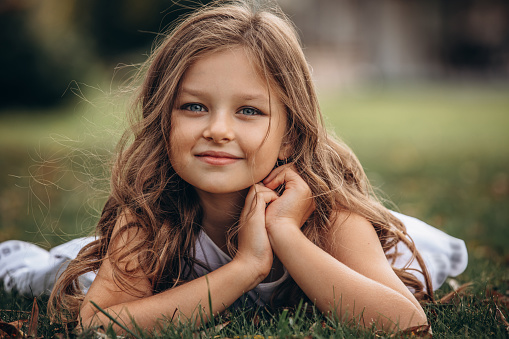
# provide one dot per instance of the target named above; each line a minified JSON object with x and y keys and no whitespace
{"x":176,"y":147}
{"x":266,"y":156}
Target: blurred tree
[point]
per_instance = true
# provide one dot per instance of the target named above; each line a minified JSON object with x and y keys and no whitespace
{"x":476,"y":37}
{"x":48,"y":44}
{"x":120,"y":26}
{"x":30,"y":76}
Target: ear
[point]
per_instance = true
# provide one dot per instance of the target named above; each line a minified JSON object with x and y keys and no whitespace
{"x":285,"y":151}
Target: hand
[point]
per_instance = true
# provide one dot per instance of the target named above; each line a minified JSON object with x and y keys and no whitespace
{"x":253,"y":241}
{"x":295,"y":205}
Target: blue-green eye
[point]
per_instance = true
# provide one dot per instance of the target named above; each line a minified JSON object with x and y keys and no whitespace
{"x":249,"y":111}
{"x":194,"y":107}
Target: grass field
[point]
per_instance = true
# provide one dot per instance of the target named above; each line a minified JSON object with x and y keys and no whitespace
{"x":438,"y":152}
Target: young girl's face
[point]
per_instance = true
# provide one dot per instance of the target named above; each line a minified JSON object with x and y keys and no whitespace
{"x":227,"y":124}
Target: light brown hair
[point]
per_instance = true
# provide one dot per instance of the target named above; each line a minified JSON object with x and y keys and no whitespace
{"x":167,"y":209}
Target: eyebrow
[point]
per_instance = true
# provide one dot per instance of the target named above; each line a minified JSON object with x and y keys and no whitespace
{"x":244,"y":96}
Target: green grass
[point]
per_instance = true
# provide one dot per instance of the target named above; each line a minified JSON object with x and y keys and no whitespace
{"x":432,"y":120}
{"x":440,"y":153}
{"x":472,"y":315}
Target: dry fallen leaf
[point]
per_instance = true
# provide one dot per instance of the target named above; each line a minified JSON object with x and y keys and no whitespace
{"x":217,"y":328}
{"x":11,"y":330}
{"x":34,"y":317}
{"x":457,"y":292}
{"x":423,"y":331}
{"x":499,"y":298}
{"x":501,"y":318}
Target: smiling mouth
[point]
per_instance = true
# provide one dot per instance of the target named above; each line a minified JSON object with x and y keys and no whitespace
{"x":217,"y":158}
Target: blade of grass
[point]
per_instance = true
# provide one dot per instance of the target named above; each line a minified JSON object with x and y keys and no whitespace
{"x":115,"y":321}
{"x":210,"y":302}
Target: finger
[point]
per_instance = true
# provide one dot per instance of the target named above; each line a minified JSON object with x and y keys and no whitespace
{"x":254,"y":190}
{"x":275,"y":172}
{"x":265,"y":196}
{"x":285,"y":176}
{"x":257,"y":199}
{"x":261,"y":201}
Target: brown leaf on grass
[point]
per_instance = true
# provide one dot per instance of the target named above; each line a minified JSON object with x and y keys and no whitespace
{"x":501,"y":318}
{"x":18,"y":323}
{"x":499,"y":298}
{"x":217,"y":328}
{"x":421,"y":331}
{"x":325,"y":326}
{"x":321,"y":324}
{"x":221,"y":326}
{"x":34,"y":317}
{"x":457,"y":292}
{"x":12,"y":330}
{"x":256,"y":320}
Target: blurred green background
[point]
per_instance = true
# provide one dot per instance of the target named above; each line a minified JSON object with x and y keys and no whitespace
{"x":421,"y":95}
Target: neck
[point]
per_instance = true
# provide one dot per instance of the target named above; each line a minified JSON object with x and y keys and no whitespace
{"x":220,"y":213}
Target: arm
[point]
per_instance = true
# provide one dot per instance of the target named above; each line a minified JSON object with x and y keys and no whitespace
{"x":182,"y":302}
{"x":354,"y":279}
{"x":179,"y":303}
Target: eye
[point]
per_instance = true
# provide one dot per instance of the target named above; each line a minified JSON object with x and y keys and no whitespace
{"x":250,"y":111}
{"x":193,"y":107}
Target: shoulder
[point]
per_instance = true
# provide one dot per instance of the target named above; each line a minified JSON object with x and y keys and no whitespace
{"x":346,"y":224}
{"x":127,"y":242}
{"x":127,"y":228}
{"x":128,"y":238}
{"x":353,"y":240}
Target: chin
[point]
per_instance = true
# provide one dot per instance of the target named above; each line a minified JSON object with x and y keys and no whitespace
{"x":222,"y":189}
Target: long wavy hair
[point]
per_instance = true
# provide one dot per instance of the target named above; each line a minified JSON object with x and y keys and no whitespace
{"x":167,"y":208}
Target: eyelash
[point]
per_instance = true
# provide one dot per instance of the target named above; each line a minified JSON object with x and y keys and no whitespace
{"x":187,"y":107}
{"x":255,"y":111}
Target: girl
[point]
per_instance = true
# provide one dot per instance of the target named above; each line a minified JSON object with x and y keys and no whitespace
{"x":228,"y":185}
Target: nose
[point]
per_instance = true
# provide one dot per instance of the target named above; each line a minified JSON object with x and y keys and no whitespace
{"x":219,"y":128}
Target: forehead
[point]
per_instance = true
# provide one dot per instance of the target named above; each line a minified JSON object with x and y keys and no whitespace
{"x":230,"y":67}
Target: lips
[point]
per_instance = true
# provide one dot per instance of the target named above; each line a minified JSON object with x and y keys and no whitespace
{"x":217,"y":158}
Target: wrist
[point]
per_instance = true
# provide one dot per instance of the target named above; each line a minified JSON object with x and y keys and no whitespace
{"x":283,"y":229}
{"x":250,"y":271}
{"x":289,"y":246}
{"x":285,"y":237}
